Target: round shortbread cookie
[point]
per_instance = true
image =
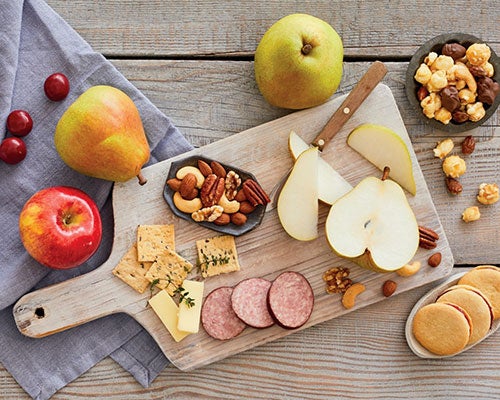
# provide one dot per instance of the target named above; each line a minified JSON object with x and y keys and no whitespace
{"x":486,"y":278}
{"x":476,"y":305}
{"x":442,"y":328}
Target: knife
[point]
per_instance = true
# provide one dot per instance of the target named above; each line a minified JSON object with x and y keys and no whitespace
{"x":354,"y":99}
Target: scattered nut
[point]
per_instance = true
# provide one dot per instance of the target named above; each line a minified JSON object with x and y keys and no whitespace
{"x":349,"y":297}
{"x":434,"y":260}
{"x":471,"y":214}
{"x":468,"y":145}
{"x":337,"y":280}
{"x":427,"y":238}
{"x":454,"y":166}
{"x":409,"y":269}
{"x":443,"y":148}
{"x":388,"y":288}
{"x":453,"y":186}
{"x":488,"y":193}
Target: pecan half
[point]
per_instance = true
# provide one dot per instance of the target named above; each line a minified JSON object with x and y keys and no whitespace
{"x":212,"y":190}
{"x":254,"y":193}
{"x":427,"y":238}
{"x":468,"y":145}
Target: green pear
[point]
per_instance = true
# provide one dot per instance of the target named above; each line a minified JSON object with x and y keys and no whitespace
{"x":374,"y":225}
{"x":298,"y":62}
{"x":101,"y":135}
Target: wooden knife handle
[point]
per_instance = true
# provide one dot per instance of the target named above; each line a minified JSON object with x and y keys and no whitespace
{"x":363,"y":88}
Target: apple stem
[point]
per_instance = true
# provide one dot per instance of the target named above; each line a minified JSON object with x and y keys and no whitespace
{"x":141,"y":178}
{"x":386,"y":172}
{"x":306,"y":49}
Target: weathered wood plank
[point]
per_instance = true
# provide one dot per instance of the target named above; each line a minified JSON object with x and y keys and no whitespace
{"x":211,"y":100}
{"x":382,"y":28}
{"x":361,"y":355}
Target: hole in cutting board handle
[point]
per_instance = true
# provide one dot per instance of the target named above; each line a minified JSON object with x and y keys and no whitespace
{"x":40,"y":312}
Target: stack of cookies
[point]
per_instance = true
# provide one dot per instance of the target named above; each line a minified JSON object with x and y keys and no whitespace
{"x":462,"y":315}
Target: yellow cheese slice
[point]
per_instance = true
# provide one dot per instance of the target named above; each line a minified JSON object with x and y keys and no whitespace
{"x":166,"y":309}
{"x":189,"y":317}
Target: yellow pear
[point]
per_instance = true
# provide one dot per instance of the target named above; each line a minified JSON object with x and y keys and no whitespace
{"x":101,"y":135}
{"x":298,"y":62}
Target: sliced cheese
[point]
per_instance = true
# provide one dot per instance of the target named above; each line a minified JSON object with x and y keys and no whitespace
{"x":189,"y":317}
{"x":166,"y":309}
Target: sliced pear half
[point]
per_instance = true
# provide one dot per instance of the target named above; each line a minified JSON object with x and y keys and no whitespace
{"x":374,"y":226}
{"x":298,"y":199}
{"x":331,"y":185}
{"x":384,"y":147}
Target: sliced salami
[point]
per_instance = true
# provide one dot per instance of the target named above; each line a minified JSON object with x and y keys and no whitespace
{"x":217,"y":315}
{"x":290,"y":300}
{"x":249,"y":302}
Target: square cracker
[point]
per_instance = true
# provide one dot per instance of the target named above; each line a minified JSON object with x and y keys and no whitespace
{"x":169,"y":271}
{"x":217,"y":255}
{"x":131,"y":271}
{"x":153,"y":240}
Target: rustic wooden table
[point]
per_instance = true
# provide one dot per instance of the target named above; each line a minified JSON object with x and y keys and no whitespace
{"x":193,"y":59}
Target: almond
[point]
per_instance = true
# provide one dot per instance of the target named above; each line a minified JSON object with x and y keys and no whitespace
{"x":187,"y":185}
{"x":238,"y":218}
{"x":388,"y":288}
{"x":240,"y":196}
{"x":246,"y":207}
{"x":204,"y":168}
{"x":174,"y":184}
{"x":434,"y":260}
{"x":224,"y":219}
{"x":218,"y":169}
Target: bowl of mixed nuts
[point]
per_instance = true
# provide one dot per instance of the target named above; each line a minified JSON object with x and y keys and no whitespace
{"x":453,"y":82}
{"x":220,"y":197}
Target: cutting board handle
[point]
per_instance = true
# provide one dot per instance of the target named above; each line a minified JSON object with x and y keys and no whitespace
{"x":358,"y":94}
{"x":70,"y":303}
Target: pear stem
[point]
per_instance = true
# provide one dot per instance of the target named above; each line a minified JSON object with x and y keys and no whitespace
{"x":141,"y":178}
{"x":386,"y":172}
{"x":306,"y":49}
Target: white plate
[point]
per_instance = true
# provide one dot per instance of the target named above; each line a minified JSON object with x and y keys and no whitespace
{"x":428,"y":298}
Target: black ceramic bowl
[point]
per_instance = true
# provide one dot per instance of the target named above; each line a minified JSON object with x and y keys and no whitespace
{"x":412,"y":86}
{"x":254,"y":218}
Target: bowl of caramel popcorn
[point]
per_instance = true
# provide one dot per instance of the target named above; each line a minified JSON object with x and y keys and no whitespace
{"x":453,"y":82}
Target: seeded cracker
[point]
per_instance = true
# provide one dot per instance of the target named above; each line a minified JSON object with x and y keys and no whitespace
{"x":169,"y":271}
{"x":217,"y":255}
{"x":131,"y":271}
{"x":153,"y":240}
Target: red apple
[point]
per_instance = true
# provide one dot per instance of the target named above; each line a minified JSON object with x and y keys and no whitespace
{"x":60,"y":227}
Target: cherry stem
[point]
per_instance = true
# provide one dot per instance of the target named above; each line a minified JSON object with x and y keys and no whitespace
{"x":306,"y":49}
{"x":386,"y":172}
{"x":141,"y":178}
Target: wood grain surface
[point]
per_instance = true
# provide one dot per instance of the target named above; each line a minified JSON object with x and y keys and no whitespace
{"x":194,"y":61}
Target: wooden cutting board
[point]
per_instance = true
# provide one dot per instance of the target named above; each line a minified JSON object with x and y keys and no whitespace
{"x":263,"y":252}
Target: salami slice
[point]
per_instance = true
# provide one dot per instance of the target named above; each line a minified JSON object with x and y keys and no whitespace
{"x":249,"y":302}
{"x":217,"y":315}
{"x":290,"y":300}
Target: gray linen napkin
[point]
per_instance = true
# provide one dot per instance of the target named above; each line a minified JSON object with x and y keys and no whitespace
{"x":34,"y":43}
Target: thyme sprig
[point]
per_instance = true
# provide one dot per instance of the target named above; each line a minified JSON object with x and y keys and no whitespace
{"x":213,"y":260}
{"x":179,"y":290}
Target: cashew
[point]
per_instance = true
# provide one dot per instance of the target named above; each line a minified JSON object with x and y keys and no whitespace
{"x":187,"y":206}
{"x":229,"y":206}
{"x":188,"y":169}
{"x":409,"y":269}
{"x":463,"y":73}
{"x":349,"y":297}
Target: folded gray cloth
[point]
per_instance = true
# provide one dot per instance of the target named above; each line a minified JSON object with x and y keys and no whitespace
{"x":34,"y":43}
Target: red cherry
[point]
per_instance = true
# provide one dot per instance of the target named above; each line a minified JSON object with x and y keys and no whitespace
{"x":56,"y":87}
{"x":12,"y":150}
{"x":19,"y":123}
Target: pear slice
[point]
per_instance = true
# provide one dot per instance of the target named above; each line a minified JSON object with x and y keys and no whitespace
{"x":298,"y":199}
{"x":331,"y":185}
{"x":384,"y":147}
{"x":374,"y":226}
